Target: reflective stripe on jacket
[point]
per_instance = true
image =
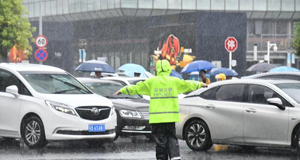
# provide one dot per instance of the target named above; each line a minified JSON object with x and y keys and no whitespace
{"x":163,"y":91}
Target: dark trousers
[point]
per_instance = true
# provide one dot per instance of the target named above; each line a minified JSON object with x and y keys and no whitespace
{"x":166,"y":141}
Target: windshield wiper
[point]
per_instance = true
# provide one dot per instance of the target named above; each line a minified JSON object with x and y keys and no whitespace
{"x":69,"y":84}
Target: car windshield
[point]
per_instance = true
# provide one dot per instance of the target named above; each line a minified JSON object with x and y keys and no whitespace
{"x":292,"y":89}
{"x":54,"y":83}
{"x":134,"y":82}
{"x":109,"y":89}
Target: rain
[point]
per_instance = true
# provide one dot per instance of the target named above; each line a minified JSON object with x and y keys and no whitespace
{"x":71,"y":70}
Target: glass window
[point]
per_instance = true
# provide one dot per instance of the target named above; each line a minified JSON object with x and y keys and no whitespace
{"x":118,"y":3}
{"x":65,"y":8}
{"x":59,"y":7}
{"x":36,"y":9}
{"x":209,"y":94}
{"x":288,"y":5}
{"x":110,"y":4}
{"x":77,"y":4}
{"x":231,"y":92}
{"x":145,"y":4}
{"x":54,"y":83}
{"x":90,"y":5}
{"x":53,"y":7}
{"x":281,"y":27}
{"x":260,"y":5}
{"x":71,"y":6}
{"x":97,"y":4}
{"x":217,"y":4}
{"x":203,"y":4}
{"x":47,"y":8}
{"x":297,"y":5}
{"x":246,"y":5}
{"x":251,"y":27}
{"x":160,"y":4}
{"x":129,"y":4}
{"x":84,"y":5}
{"x":107,"y":90}
{"x":189,"y":4}
{"x":232,"y":4}
{"x":174,"y":4}
{"x":103,"y":4}
{"x":274,"y":5}
{"x":268,"y":27}
{"x":260,"y":94}
{"x":8,"y":79}
{"x":292,"y":89}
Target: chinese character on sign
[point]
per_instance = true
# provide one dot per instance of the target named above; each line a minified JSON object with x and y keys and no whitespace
{"x":231,"y":44}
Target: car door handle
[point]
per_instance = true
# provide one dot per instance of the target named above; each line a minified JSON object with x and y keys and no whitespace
{"x":210,"y":106}
{"x":251,"y":110}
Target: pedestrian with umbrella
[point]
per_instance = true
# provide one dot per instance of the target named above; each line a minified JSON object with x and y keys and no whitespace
{"x":260,"y":67}
{"x":229,"y":73}
{"x":163,"y":109}
{"x":98,"y":67}
{"x":133,"y":70}
{"x":201,"y":66}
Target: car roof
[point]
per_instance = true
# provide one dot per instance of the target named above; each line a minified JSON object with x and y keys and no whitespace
{"x":94,"y":80}
{"x":271,"y":73}
{"x":252,"y":81}
{"x":30,"y":67}
{"x":125,"y":78}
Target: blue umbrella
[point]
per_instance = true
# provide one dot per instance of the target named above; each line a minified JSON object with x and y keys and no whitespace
{"x":197,"y":66}
{"x":94,"y":65}
{"x":226,"y":71}
{"x":176,"y":74}
{"x":284,"y":69}
{"x":131,"y":68}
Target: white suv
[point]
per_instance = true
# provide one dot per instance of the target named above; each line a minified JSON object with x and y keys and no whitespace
{"x":42,"y":103}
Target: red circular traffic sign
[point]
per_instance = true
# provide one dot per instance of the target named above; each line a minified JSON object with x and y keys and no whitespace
{"x":231,"y":44}
{"x":41,"y":41}
{"x":41,"y":55}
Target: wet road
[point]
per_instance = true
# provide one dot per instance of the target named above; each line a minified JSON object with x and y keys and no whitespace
{"x":139,"y":148}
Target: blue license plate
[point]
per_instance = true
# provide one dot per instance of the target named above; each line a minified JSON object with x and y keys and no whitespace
{"x":96,"y":128}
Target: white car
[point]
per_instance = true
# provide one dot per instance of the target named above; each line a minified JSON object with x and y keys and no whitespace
{"x":41,"y":103}
{"x":126,"y":80}
{"x":245,"y":112}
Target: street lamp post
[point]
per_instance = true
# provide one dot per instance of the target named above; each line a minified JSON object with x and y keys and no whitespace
{"x":269,"y":46}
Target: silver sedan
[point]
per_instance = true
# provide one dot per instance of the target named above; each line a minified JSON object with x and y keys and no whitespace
{"x":243,"y":112}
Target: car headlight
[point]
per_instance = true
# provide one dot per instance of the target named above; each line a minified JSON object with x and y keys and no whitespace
{"x":130,"y":114}
{"x":112,"y":111}
{"x":61,"y":107}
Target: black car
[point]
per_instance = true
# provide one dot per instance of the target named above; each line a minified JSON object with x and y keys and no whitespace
{"x":276,"y":75}
{"x":132,"y":110}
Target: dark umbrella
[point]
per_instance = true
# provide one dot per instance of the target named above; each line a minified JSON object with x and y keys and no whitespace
{"x":94,"y":66}
{"x":261,"y":67}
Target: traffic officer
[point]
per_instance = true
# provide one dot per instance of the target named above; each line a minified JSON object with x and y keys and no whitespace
{"x":163,"y":109}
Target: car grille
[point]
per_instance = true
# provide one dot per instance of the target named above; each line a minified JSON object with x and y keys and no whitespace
{"x":93,"y":112}
{"x":145,"y":115}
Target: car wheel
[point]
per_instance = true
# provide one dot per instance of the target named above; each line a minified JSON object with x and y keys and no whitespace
{"x":33,"y":132}
{"x":296,"y":140}
{"x":197,"y":136}
{"x":116,"y":137}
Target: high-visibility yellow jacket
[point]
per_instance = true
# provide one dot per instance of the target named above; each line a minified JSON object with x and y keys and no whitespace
{"x":163,"y":91}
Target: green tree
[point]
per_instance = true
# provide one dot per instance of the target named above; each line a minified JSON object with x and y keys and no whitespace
{"x":296,"y":42}
{"x":14,"y":28}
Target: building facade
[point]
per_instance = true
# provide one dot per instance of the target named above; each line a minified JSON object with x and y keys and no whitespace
{"x":127,"y":31}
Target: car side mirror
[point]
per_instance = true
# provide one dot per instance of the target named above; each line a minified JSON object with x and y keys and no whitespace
{"x":13,"y":89}
{"x":277,"y":102}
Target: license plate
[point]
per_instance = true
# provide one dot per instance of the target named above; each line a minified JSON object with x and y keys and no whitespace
{"x":96,"y":128}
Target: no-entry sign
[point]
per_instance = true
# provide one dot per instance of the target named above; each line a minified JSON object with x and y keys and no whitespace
{"x":41,"y":55}
{"x":41,"y":41}
{"x":231,"y":44}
